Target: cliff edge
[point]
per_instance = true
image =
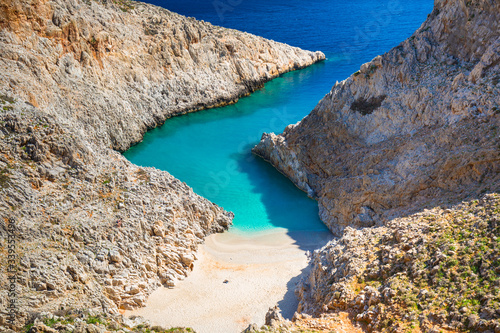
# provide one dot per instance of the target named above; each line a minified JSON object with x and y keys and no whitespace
{"x":412,"y":128}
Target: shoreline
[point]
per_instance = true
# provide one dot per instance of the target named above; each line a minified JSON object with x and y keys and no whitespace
{"x":235,"y":280}
{"x":251,"y":88}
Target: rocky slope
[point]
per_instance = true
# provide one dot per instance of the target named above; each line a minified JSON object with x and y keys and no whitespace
{"x":135,"y":64}
{"x":79,"y":80}
{"x":415,"y":129}
{"x":437,"y":269}
{"x":434,"y":271}
{"x":93,"y":230}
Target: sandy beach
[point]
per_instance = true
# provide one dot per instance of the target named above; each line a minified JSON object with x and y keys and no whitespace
{"x":235,"y":280}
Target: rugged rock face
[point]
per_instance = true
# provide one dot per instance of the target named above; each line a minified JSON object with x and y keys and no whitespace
{"x":415,"y":127}
{"x":118,"y":69}
{"x":78,"y":79}
{"x":93,"y":230}
{"x":437,"y":269}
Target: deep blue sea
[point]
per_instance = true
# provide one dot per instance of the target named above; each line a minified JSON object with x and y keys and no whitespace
{"x":210,"y":150}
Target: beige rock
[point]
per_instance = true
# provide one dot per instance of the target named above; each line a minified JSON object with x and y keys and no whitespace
{"x":416,"y":128}
{"x":428,"y":134}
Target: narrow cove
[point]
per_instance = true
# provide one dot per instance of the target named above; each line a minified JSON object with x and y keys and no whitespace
{"x":211,"y":152}
{"x":256,"y":265}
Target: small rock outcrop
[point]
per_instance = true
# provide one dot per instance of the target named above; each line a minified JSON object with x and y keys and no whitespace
{"x":274,"y":317}
{"x":79,"y":81}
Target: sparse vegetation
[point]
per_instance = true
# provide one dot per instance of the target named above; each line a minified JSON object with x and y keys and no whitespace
{"x":109,"y":323}
{"x":50,"y":321}
{"x":6,"y":99}
{"x":124,"y":5}
{"x":4,"y":178}
{"x":95,"y":320}
{"x":27,"y":328}
{"x":445,"y":272}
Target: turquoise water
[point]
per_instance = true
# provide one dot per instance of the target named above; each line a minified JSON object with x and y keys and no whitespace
{"x":210,"y":150}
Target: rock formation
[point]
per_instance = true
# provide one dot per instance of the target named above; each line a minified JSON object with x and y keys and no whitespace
{"x":416,"y":126}
{"x":433,"y":270}
{"x":79,"y":81}
{"x":390,"y":154}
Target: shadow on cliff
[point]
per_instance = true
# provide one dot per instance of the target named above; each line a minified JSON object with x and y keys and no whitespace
{"x":289,"y":303}
{"x":286,"y":206}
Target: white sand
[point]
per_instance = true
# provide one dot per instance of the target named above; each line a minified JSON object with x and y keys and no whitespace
{"x":262,"y":271}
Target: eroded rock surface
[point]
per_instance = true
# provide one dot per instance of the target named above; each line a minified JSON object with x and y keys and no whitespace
{"x":434,"y":270}
{"x":115,"y":70}
{"x":80,"y":80}
{"x":413,"y":128}
{"x":93,"y":231}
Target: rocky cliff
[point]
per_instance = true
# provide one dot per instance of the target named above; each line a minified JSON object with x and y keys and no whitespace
{"x":79,"y":81}
{"x":121,"y":67}
{"x":414,"y":129}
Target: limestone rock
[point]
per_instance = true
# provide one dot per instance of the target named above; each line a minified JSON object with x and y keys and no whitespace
{"x":415,"y":129}
{"x":398,"y":271}
{"x":274,"y":317}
